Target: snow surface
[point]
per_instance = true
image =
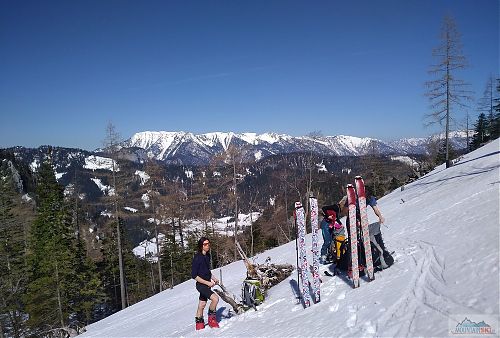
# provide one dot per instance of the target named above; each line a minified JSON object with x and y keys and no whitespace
{"x":321,"y":167}
{"x":106,"y":213}
{"x":143,"y":176}
{"x":34,"y":165}
{"x":93,"y":162}
{"x":145,"y":199}
{"x":106,"y":189}
{"x":444,"y":229}
{"x":406,"y":160}
{"x":147,"y":248}
{"x":59,"y":175}
{"x":27,"y":198}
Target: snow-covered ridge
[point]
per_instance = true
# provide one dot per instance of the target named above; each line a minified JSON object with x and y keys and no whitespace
{"x":189,"y":148}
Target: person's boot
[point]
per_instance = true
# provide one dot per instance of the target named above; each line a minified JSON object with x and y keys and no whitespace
{"x":212,"y":319}
{"x":200,"y":323}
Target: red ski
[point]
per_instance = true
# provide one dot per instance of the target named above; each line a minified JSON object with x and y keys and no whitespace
{"x":353,"y":234}
{"x":360,"y":189}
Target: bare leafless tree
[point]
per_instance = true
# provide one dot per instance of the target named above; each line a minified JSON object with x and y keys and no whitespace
{"x":446,"y":91}
{"x":155,"y":173}
{"x":234,"y":157}
{"x":111,"y":145}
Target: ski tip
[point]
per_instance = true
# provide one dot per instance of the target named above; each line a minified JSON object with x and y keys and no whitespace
{"x":298,"y":205}
{"x":358,"y":178}
{"x":350,"y":185}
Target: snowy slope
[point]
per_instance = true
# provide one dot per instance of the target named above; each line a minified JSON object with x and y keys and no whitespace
{"x":446,"y":238}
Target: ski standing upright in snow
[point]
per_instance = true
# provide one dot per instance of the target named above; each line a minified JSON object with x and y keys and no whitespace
{"x":300,"y":219}
{"x":313,"y":203}
{"x":360,"y":190}
{"x":353,"y":235}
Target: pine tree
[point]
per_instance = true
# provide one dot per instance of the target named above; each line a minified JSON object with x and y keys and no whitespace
{"x":110,"y":271}
{"x":394,"y":184}
{"x":53,"y":286}
{"x":90,"y":291}
{"x":480,"y":132}
{"x":12,"y":257}
{"x":486,"y":106}
{"x":442,"y":155}
{"x":177,"y":259}
{"x":137,"y":275}
{"x":495,"y":124}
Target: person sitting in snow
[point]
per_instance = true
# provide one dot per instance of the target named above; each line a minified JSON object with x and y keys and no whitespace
{"x":331,"y":227}
{"x":200,"y":271}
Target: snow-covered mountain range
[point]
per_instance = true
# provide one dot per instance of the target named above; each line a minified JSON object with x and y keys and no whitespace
{"x":189,"y":148}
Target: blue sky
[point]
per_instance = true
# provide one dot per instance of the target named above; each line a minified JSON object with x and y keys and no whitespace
{"x":341,"y":67}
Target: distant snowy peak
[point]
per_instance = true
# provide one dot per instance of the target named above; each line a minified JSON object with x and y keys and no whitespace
{"x":351,"y":145}
{"x":188,"y":148}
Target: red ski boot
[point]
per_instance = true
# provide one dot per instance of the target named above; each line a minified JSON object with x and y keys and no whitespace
{"x":200,"y":323}
{"x":212,"y":320}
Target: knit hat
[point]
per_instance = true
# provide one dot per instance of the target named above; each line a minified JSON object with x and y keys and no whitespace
{"x":331,"y":213}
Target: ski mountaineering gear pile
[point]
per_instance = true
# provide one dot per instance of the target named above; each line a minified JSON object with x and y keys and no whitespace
{"x":363,"y":251}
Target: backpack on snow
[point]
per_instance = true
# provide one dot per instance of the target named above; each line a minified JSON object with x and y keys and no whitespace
{"x":251,"y":293}
{"x":383,"y":261}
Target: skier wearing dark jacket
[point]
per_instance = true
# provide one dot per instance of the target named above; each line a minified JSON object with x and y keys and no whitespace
{"x":200,"y":271}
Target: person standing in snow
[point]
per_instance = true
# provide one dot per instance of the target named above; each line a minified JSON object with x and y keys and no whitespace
{"x":372,"y":202}
{"x":200,"y":271}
